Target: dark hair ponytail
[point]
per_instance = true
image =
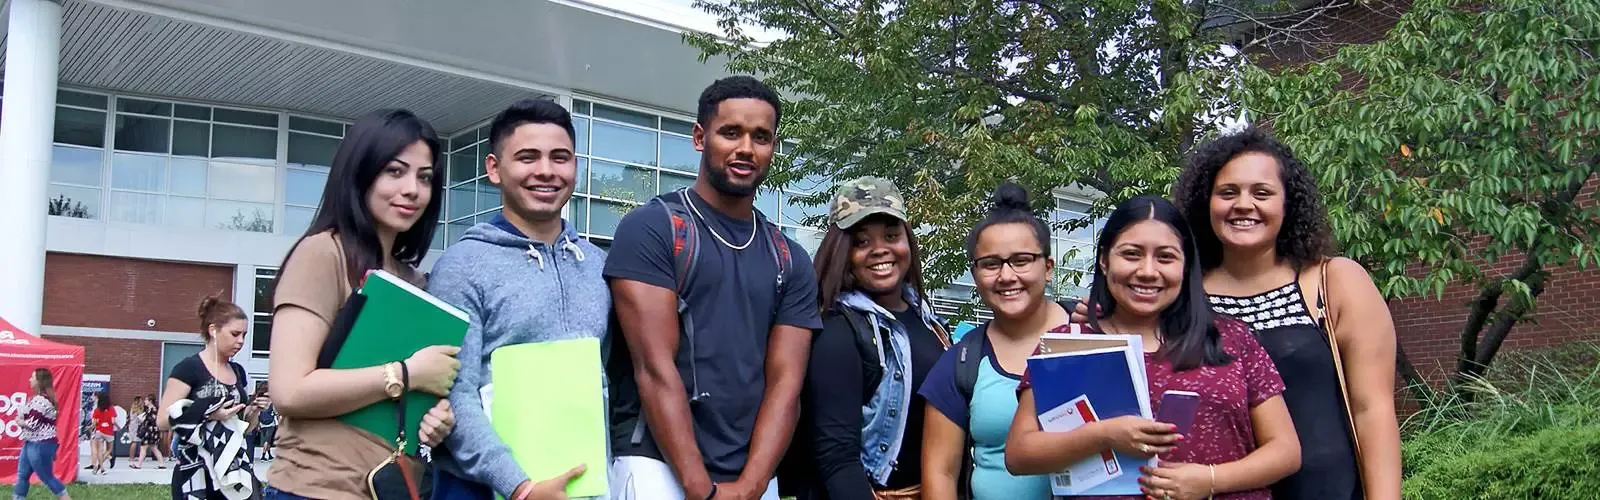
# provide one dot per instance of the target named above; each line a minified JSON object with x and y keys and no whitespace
{"x":1009,"y":205}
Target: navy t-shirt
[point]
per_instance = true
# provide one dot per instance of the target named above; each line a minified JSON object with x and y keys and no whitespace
{"x":734,"y":300}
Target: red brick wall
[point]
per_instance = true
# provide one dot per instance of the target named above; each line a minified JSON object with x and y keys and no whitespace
{"x":123,"y":293}
{"x":1567,"y":311}
{"x":134,"y":365}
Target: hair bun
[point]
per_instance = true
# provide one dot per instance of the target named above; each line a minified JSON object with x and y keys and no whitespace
{"x":1010,"y":196}
{"x":206,"y":304}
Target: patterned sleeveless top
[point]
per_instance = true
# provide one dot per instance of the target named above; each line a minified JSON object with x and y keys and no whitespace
{"x":1297,"y":344}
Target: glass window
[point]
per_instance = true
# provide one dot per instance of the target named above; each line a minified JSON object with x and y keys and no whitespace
{"x":624,"y":116}
{"x":75,"y":165}
{"x":235,"y":216}
{"x":617,"y":181}
{"x":312,"y":150}
{"x":624,"y":143}
{"x":807,"y":239}
{"x":234,"y":181}
{"x":438,"y":237}
{"x":73,"y":98}
{"x":191,"y":138}
{"x":580,"y":214}
{"x":245,"y":117}
{"x":266,"y":280}
{"x":454,"y":230}
{"x":580,"y":136}
{"x":188,"y":177}
{"x":139,"y":172}
{"x":143,"y":107}
{"x":243,"y":142}
{"x":582,"y":180}
{"x":138,"y":208}
{"x":144,"y":134}
{"x":461,"y":166}
{"x":580,"y":107}
{"x":796,"y":212}
{"x":297,"y":219}
{"x":670,"y":182}
{"x":80,"y":127}
{"x":186,"y":212}
{"x":604,"y":217}
{"x":71,"y":201}
{"x":194,"y":112}
{"x":767,"y":203}
{"x":678,"y":126}
{"x":303,"y":187}
{"x":261,"y":337}
{"x":459,"y":202}
{"x":477,"y":163}
{"x":488,"y":196}
{"x":484,"y":217}
{"x":678,"y":153}
{"x":316,"y":126}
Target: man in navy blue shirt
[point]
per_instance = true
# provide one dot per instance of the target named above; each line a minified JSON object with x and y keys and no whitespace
{"x":708,"y":413}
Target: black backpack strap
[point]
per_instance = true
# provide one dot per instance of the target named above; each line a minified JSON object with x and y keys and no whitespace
{"x":685,"y":233}
{"x":866,"y":340}
{"x":969,"y":357}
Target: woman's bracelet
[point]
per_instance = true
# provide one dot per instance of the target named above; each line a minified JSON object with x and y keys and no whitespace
{"x":1213,"y":493}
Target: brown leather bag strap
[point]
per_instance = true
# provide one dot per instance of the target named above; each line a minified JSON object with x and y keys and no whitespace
{"x":1329,"y":328}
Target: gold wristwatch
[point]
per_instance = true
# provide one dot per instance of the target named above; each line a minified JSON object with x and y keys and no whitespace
{"x":392,"y":386}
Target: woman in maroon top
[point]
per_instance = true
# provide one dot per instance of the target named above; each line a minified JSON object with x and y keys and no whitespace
{"x":1148,"y":284}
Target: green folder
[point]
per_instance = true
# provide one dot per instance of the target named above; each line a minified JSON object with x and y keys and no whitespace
{"x":547,"y":407}
{"x":396,"y":320}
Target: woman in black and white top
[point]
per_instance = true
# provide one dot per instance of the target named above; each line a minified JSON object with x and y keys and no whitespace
{"x":39,"y":438}
{"x":208,"y":410}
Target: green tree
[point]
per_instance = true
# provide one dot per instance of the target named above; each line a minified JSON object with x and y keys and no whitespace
{"x":1459,"y":142}
{"x":950,"y":98}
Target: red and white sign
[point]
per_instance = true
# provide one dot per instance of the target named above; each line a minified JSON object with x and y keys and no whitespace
{"x":20,"y":354}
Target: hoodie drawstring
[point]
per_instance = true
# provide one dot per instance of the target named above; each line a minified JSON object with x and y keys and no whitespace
{"x":535,"y":254}
{"x":571,"y":246}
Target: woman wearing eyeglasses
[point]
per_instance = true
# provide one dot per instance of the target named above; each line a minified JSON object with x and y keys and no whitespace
{"x":972,"y":390}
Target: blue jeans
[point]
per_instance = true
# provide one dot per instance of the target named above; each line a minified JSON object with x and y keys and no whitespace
{"x":447,"y":486}
{"x":38,"y":457}
{"x":271,"y":493}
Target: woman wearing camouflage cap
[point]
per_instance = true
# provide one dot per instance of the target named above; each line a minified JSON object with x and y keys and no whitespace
{"x":860,"y":433}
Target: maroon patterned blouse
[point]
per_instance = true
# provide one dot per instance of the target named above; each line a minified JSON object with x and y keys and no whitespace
{"x":1222,"y":432}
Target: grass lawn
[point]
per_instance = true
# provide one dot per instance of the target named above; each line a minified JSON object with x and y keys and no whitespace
{"x":103,"y":492}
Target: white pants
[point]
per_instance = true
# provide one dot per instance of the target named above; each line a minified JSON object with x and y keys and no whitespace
{"x":640,"y":478}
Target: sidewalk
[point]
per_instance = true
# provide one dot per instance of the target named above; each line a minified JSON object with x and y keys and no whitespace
{"x":123,"y":474}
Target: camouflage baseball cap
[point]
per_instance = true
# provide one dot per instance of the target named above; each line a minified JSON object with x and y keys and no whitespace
{"x":857,"y":199}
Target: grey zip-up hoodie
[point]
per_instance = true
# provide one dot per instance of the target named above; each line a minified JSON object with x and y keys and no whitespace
{"x":515,"y":291}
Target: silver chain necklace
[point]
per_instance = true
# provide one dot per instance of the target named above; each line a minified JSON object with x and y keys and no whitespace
{"x":684,"y":194}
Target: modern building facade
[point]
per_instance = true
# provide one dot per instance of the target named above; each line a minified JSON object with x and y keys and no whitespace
{"x":177,"y":148}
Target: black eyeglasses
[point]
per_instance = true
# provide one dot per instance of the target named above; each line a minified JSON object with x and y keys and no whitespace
{"x":1019,"y":262}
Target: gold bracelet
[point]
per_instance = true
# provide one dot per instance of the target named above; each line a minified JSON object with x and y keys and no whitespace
{"x":1213,"y":493}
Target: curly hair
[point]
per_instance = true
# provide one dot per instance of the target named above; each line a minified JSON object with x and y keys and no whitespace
{"x":1304,"y":237}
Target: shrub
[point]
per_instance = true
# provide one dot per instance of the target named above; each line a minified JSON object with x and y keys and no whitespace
{"x":1531,"y":430}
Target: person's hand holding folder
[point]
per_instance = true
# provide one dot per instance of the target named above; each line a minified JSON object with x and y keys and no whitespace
{"x":433,"y":369}
{"x":1138,"y":436}
{"x":550,"y":489}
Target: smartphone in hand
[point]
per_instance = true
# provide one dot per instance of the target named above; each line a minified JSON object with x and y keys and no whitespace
{"x":1179,"y":408}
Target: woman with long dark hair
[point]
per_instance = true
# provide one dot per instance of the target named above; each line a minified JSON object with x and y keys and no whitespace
{"x":38,"y":437}
{"x":104,"y":418}
{"x":1148,"y":283}
{"x":860,"y":430}
{"x":972,"y":389}
{"x":378,"y":211}
{"x":1268,"y":255}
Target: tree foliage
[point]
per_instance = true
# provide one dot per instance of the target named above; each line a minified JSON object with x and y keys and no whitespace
{"x":1458,"y":144}
{"x":950,"y":98}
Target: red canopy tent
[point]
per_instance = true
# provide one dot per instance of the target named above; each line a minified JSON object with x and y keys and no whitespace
{"x":20,"y":354}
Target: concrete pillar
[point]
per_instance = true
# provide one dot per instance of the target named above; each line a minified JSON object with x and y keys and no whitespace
{"x":27,"y":124}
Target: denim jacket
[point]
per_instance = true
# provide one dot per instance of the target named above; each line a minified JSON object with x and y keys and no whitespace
{"x":884,"y":417}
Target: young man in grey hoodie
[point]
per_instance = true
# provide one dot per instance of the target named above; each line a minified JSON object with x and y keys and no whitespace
{"x":525,"y":276}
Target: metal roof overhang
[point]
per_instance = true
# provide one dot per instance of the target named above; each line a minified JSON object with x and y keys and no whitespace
{"x":454,"y":62}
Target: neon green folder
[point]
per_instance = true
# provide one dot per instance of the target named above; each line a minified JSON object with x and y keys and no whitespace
{"x":548,"y":408}
{"x":396,"y":320}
